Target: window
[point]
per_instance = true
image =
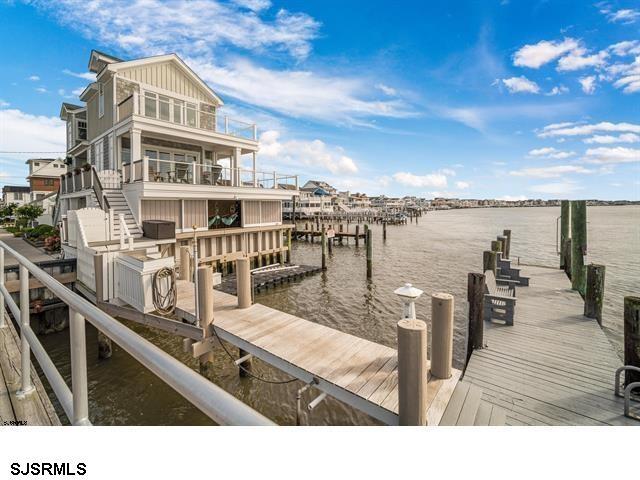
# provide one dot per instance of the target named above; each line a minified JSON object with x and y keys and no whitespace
{"x":178,"y":106}
{"x":164,"y":108}
{"x":17,"y":195}
{"x":100,"y":100}
{"x":48,"y":182}
{"x":36,"y":164}
{"x":82,"y":129}
{"x":55,"y":165}
{"x":191,"y":114}
{"x":150,"y":105}
{"x":39,"y":196}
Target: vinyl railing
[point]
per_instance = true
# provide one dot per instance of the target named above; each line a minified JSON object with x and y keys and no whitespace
{"x":213,"y":401}
{"x":185,"y":172}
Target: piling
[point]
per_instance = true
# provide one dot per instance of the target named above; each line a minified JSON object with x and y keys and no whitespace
{"x":502,"y":240}
{"x":384,"y":230}
{"x":578,"y":244}
{"x":357,"y":235}
{"x":489,"y":261}
{"x":185,"y":264}
{"x":369,"y":254}
{"x":565,"y":219}
{"x":594,"y":292}
{"x":412,"y":372}
{"x":105,"y":348}
{"x":496,"y":246}
{"x":289,"y":246}
{"x":441,"y":334}
{"x":243,"y":282}
{"x":324,"y":249}
{"x":632,"y":337}
{"x":475,"y":297}
{"x":567,"y":256}
{"x":507,"y":247}
{"x":205,"y":297}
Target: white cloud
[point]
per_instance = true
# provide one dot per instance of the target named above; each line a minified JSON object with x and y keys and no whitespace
{"x":520,"y":85}
{"x":534,"y":56}
{"x":447,"y":171}
{"x":549,"y":172}
{"x":437,"y":180}
{"x":84,"y":75}
{"x":462,"y":185}
{"x":312,"y":156}
{"x":557,"y":188}
{"x":40,"y":90}
{"x":550,"y":152}
{"x":627,"y":47}
{"x":3,"y":103}
{"x":574,"y":129}
{"x":24,"y":132}
{"x":202,"y":26}
{"x":557,"y":90}
{"x":588,"y":84}
{"x":624,"y":15}
{"x":612,"y":155}
{"x":34,"y":78}
{"x":577,"y":60}
{"x":387,"y":90}
{"x":299,"y":93}
{"x":605,"y":139}
{"x":77,"y":91}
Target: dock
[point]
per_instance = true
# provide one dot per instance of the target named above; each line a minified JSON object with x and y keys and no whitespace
{"x":35,"y":409}
{"x":358,"y":372}
{"x":554,"y":366}
{"x":269,"y":277}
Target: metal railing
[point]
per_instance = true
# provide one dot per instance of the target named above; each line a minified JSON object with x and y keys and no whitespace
{"x":212,"y":400}
{"x":184,"y":172}
{"x":627,"y":391}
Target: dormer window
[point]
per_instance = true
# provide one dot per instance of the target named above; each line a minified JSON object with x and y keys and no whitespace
{"x":100,"y":100}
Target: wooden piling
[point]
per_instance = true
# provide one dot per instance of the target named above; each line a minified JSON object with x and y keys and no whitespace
{"x":357,"y":235}
{"x":578,"y":244}
{"x":185,"y":264}
{"x":475,"y":297}
{"x":384,"y":230}
{"x":289,"y":246}
{"x":565,"y":222}
{"x":324,"y":250}
{"x":105,"y":347}
{"x":243,"y":282}
{"x":441,"y":334}
{"x":632,"y":337}
{"x":594,"y":292}
{"x":412,"y":372}
{"x":489,"y":261}
{"x":567,"y":256}
{"x":496,"y":246}
{"x":507,"y":248}
{"x":369,"y":255}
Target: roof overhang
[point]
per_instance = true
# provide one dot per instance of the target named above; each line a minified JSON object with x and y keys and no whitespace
{"x":98,"y":60}
{"x":88,"y":92}
{"x":68,"y":108}
{"x":172,"y":57}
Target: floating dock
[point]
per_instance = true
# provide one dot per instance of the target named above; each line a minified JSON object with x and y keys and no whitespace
{"x":554,"y":366}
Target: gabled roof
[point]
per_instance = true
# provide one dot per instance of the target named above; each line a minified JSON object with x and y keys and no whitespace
{"x":98,"y":60}
{"x":67,"y":108}
{"x":171,"y":57}
{"x":90,"y":89}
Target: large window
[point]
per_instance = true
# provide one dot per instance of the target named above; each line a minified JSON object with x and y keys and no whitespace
{"x":171,"y":167}
{"x":150,"y":105}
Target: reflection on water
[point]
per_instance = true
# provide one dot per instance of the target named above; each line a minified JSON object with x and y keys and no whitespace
{"x":435,"y":255}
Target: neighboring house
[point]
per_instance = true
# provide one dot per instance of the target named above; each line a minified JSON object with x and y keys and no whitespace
{"x":15,"y":194}
{"x":310,"y":202}
{"x":48,"y":204}
{"x":311,"y":184}
{"x":151,"y":142}
{"x":44,"y":176}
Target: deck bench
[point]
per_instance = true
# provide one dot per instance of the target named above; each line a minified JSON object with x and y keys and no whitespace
{"x":499,"y":298}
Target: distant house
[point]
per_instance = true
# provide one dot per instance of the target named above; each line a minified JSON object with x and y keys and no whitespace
{"x":312,"y":184}
{"x":15,"y":194}
{"x":44,"y":176}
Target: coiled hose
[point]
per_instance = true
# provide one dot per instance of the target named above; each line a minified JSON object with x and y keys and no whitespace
{"x":163,"y":289}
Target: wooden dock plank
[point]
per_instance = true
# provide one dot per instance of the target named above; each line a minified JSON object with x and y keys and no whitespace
{"x":553,"y":366}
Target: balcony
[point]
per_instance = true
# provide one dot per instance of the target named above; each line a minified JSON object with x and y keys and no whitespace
{"x":193,"y":173}
{"x":176,"y":111}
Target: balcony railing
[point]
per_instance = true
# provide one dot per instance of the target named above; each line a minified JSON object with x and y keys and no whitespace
{"x":154,"y":105}
{"x":194,"y":173}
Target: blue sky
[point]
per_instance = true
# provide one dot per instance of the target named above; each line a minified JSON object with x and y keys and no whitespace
{"x":484,"y":99}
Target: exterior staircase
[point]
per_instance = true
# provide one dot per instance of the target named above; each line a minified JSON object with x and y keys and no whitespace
{"x":466,"y":408}
{"x":118,"y":203}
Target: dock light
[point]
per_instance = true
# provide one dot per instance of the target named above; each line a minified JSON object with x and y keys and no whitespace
{"x":409,"y":294}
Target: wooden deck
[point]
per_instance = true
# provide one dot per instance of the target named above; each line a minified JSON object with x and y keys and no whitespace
{"x":553,"y":366}
{"x":35,"y":408}
{"x":361,"y":373}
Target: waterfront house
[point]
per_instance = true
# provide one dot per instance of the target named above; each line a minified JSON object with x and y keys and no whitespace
{"x":151,"y":142}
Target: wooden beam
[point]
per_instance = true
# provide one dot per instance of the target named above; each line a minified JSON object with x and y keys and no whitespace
{"x":13,"y":286}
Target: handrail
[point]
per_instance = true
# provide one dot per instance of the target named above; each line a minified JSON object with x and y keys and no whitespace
{"x":627,"y":390}
{"x":124,"y":232}
{"x":97,"y":188}
{"x":212,"y":400}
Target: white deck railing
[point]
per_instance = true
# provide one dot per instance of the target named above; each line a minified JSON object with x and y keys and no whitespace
{"x":184,"y":172}
{"x":153,"y":104}
{"x":219,"y":405}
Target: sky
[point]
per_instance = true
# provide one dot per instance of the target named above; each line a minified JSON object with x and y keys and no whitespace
{"x":507,"y":99}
